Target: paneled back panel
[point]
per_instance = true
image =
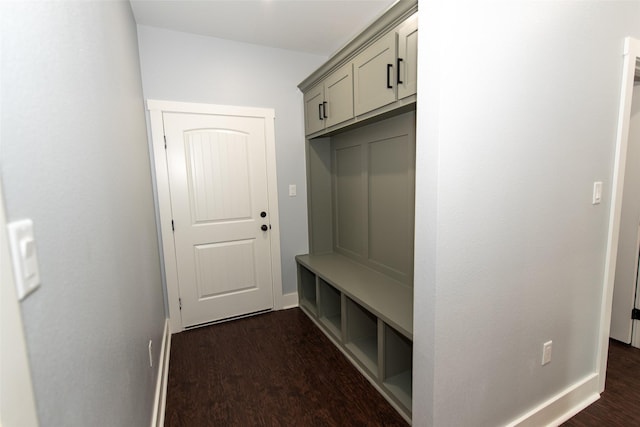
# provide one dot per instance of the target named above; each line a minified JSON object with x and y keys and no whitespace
{"x":349,"y":201}
{"x":391,"y":203}
{"x":373,"y":172}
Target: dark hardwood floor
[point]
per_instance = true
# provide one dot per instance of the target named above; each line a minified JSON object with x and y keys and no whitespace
{"x":619,"y":405}
{"x":278,"y":369}
{"x":274,"y":369}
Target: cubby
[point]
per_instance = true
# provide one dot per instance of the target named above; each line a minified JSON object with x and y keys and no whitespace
{"x":398,"y":361}
{"x":362,"y":336}
{"x":330,"y":308}
{"x":307,"y":289}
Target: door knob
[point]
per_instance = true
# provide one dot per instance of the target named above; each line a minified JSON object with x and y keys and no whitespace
{"x":264,"y":227}
{"x":263,"y":214}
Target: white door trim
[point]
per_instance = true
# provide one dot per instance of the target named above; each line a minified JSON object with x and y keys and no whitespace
{"x":18,"y":404}
{"x":631,"y":55}
{"x":156,"y":109}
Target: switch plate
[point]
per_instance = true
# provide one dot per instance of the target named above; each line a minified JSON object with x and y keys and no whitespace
{"x":546,"y":352}
{"x":597,"y":193}
{"x":292,"y":190}
{"x":24,"y":256}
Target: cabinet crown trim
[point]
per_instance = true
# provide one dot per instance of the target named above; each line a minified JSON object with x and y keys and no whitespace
{"x":381,"y":26}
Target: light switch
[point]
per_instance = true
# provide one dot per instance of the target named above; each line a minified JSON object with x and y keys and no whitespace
{"x":24,"y":256}
{"x":546,"y":352}
{"x":597,"y":193}
{"x":292,"y":190}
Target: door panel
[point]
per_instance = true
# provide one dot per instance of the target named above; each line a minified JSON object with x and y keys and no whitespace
{"x":218,"y":185}
{"x":217,"y":158}
{"x":224,"y":268}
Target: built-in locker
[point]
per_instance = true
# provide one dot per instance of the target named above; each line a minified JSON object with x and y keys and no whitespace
{"x":356,"y":282}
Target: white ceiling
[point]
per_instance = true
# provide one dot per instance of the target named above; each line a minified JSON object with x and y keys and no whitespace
{"x":313,"y":26}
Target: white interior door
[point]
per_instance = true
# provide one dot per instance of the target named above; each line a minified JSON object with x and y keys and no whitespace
{"x":624,"y":291}
{"x":219,"y":201}
{"x":634,"y":139}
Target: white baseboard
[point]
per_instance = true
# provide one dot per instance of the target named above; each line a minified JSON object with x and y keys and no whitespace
{"x":289,"y":300}
{"x":563,"y":405}
{"x":160,"y":400}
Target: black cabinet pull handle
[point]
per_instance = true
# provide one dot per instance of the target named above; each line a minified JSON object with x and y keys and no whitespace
{"x":263,"y":214}
{"x":264,"y":227}
{"x":399,"y":61}
{"x":320,"y":111}
{"x":389,"y":67}
{"x":324,"y":109}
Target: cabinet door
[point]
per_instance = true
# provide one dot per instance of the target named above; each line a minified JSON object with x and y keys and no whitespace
{"x":313,"y":109}
{"x":375,"y":75}
{"x":407,"y":71}
{"x":338,"y":92}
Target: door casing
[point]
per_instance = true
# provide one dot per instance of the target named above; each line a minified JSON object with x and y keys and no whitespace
{"x":156,"y":109}
{"x":631,"y":55}
{"x":18,"y":404}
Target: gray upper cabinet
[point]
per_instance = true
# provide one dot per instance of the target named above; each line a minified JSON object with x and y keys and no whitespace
{"x":407,"y":63}
{"x":313,"y":105}
{"x":330,"y":102}
{"x":383,"y":74}
{"x":338,"y":94}
{"x":375,"y":75}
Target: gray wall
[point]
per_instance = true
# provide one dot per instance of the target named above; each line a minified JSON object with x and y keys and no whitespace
{"x":517,"y":116}
{"x":184,"y":67}
{"x":75,"y":160}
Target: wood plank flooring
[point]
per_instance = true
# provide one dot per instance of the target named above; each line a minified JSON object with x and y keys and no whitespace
{"x":274,"y":369}
{"x":278,"y":369}
{"x":619,"y":405}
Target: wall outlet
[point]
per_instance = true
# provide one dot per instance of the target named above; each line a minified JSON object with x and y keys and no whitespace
{"x":546,"y":352}
{"x":151,"y":353}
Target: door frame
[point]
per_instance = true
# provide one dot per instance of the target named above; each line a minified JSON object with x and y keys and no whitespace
{"x":631,"y":55}
{"x":19,"y":406}
{"x":156,"y":109}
